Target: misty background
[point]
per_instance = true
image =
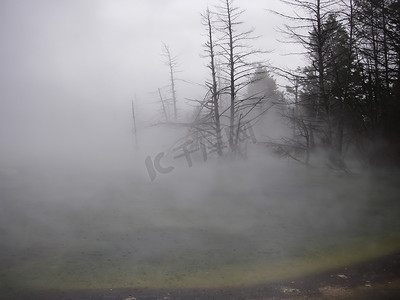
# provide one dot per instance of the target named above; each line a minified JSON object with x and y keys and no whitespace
{"x":70,"y":71}
{"x":79,"y":208}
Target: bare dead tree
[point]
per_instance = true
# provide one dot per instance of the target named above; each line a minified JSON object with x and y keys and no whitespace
{"x":163,"y":105}
{"x":235,"y":54}
{"x":171,"y":62}
{"x":301,"y":119}
{"x":213,"y":85}
{"x":231,"y":71}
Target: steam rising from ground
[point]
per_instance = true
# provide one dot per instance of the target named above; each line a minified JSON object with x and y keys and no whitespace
{"x":98,"y":212}
{"x":77,"y":205}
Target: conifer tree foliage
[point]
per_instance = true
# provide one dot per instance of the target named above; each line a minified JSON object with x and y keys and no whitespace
{"x":318,"y":111}
{"x":346,"y":100}
{"x":348,"y":94}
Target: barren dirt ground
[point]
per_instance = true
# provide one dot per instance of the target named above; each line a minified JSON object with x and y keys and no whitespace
{"x":376,"y":279}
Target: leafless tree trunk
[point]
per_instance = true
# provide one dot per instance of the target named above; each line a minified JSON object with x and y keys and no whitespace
{"x":213,"y":86}
{"x":172,"y":64}
{"x":163,"y":105}
{"x":234,"y":52}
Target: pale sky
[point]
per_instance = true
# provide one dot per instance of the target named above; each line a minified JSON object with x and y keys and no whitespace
{"x":74,"y":61}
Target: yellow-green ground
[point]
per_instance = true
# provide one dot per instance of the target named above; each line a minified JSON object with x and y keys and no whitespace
{"x":223,"y":230}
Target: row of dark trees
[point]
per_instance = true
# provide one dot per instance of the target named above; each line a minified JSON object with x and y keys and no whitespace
{"x":348,"y":96}
{"x":346,"y":100}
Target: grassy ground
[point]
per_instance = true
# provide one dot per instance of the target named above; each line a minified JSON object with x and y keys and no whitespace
{"x":197,"y":228}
